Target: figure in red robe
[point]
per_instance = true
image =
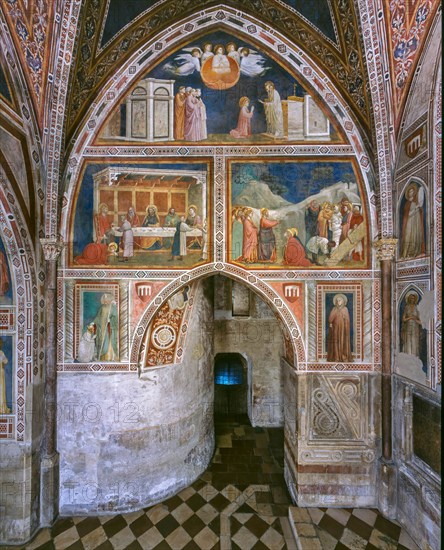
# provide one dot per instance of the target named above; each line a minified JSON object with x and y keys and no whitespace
{"x":179,"y":113}
{"x":357,"y":218}
{"x":249,"y":245}
{"x":104,"y":225}
{"x":243,"y":129}
{"x":338,"y":338}
{"x":294,"y":251}
{"x":4,"y":276}
{"x":267,"y":240}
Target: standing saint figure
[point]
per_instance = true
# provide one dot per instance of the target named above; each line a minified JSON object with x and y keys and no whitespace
{"x":249,"y":244}
{"x":4,"y":276}
{"x":324,"y":217}
{"x":203,"y":114}
{"x":4,"y":409}
{"x":127,"y":238}
{"x":273,"y":111}
{"x":179,"y":113}
{"x":179,"y":249}
{"x":193,"y":117}
{"x":267,"y":240}
{"x":411,"y":327}
{"x":357,"y":253}
{"x":243,"y":128}
{"x":412,"y":232}
{"x":237,"y":232}
{"x":311,"y":220}
{"x":171,"y":220}
{"x":338,"y":338}
{"x":103,"y":225}
{"x":106,"y":326}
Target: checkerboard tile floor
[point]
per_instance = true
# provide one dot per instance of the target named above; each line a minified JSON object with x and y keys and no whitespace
{"x":241,"y":498}
{"x":348,"y":528}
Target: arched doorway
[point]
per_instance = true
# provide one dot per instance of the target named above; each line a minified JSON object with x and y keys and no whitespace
{"x":230,"y":384}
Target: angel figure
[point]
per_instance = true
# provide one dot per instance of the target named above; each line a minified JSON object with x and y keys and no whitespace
{"x":207,"y":52}
{"x":252,"y":63}
{"x":185,"y":64}
{"x":233,"y":52}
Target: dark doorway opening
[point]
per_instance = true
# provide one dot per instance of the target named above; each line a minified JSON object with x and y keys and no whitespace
{"x":230,"y":384}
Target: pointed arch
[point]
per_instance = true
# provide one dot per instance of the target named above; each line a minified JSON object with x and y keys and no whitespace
{"x":274,"y":44}
{"x":289,"y":325}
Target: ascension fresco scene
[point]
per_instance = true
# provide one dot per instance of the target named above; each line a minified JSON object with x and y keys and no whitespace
{"x":218,"y":89}
{"x":141,"y":215}
{"x":297,"y":214}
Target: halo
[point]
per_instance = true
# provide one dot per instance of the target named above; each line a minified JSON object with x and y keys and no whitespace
{"x":343,"y":296}
{"x":411,"y":185}
{"x":101,"y":205}
{"x":151,"y":206}
{"x":412,"y":293}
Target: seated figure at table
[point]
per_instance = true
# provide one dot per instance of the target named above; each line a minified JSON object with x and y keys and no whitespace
{"x":151,"y":220}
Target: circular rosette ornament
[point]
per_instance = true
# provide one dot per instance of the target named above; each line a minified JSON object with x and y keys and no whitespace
{"x":163,"y":337}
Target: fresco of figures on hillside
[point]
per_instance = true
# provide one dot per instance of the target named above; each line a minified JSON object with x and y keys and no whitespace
{"x":6,"y":341}
{"x":297,"y":215}
{"x":141,"y":215}
{"x":218,"y":89}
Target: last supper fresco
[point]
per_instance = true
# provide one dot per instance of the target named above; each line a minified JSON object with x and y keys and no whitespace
{"x":218,"y":89}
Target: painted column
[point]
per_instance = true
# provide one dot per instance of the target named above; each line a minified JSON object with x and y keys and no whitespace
{"x":385,"y":253}
{"x":49,"y":488}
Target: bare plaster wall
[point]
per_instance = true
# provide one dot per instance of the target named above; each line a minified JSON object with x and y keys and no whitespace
{"x":126,"y":442}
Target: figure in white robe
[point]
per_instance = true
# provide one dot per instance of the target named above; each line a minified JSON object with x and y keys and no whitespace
{"x":207,"y":53}
{"x":220,"y":63}
{"x":252,"y":63}
{"x":335,"y":224}
{"x":203,"y":114}
{"x":233,"y":52}
{"x":87,"y":345}
{"x":185,"y":64}
{"x":273,"y":111}
{"x":127,"y":238}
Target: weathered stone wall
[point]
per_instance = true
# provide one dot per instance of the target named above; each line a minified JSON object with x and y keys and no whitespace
{"x":244,"y":324}
{"x":127,"y":442}
{"x":20,"y":476}
{"x":331,"y":453}
{"x":419,"y":485}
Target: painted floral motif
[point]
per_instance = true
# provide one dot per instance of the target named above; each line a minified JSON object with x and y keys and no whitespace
{"x":30,"y":23}
{"x":408,"y":27}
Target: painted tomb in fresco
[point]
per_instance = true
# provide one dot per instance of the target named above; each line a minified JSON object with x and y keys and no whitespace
{"x":297,"y":215}
{"x":218,"y":89}
{"x":141,"y":215}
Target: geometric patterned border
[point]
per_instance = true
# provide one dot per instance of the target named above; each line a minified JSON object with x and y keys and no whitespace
{"x":23,"y":279}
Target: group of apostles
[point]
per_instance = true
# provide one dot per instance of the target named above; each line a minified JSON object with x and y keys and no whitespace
{"x":326,"y":227}
{"x":178,"y":244}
